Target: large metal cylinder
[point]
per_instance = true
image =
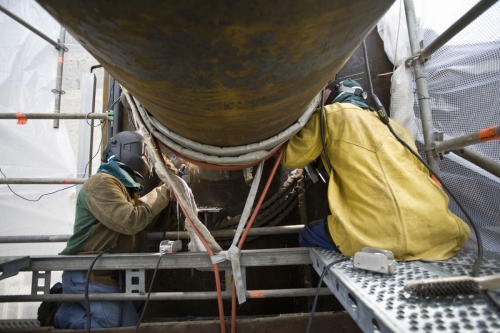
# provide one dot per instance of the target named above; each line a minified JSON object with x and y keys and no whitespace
{"x":224,"y":73}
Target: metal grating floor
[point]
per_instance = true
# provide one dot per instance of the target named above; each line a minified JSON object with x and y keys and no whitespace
{"x":378,"y":303}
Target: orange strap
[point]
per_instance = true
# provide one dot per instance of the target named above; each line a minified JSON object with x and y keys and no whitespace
{"x":21,"y":119}
{"x":488,"y":134}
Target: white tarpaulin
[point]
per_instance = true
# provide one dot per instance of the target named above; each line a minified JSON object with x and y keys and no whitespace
{"x":28,"y":67}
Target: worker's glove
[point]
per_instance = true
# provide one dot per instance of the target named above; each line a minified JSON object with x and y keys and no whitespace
{"x":157,"y":199}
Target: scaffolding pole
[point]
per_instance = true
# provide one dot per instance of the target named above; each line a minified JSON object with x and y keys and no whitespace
{"x":45,"y":181}
{"x":58,"y":90}
{"x":480,"y":160}
{"x":20,"y":115}
{"x":484,"y":135}
{"x":263,"y":231}
{"x":455,"y":28}
{"x":422,"y":91}
{"x":31,"y":28}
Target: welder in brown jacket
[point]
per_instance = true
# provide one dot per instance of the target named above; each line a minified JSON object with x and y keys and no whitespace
{"x":110,"y":216}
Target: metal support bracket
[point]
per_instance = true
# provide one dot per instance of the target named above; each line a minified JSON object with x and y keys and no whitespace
{"x":134,"y":281}
{"x":409,"y":62}
{"x":57,"y":91}
{"x":38,"y":288}
{"x":11,"y":266}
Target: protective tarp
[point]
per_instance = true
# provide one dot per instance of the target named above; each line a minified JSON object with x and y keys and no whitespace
{"x":36,"y":150}
{"x":463,"y":81}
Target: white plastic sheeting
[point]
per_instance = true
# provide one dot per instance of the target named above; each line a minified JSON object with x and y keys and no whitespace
{"x":463,"y":80}
{"x":27,"y":75}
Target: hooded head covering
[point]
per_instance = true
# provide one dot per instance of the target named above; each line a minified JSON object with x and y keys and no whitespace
{"x":124,"y":173}
{"x":350,"y":91}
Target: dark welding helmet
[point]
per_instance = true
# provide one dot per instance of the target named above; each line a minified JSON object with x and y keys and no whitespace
{"x":129,"y":147}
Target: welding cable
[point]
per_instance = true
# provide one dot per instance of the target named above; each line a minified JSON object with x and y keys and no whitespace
{"x":322,"y":129}
{"x":379,"y":108}
{"x":270,"y":205}
{"x":87,"y":282}
{"x":142,"y":126}
{"x":65,"y":188}
{"x":313,"y":309}
{"x":216,"y":267}
{"x":247,"y":229}
{"x":149,"y":293}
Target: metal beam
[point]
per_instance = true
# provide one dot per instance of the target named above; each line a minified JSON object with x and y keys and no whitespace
{"x":480,"y":160}
{"x":263,"y":231}
{"x":18,"y":115}
{"x":484,"y":135}
{"x":249,"y":258}
{"x":194,"y":295}
{"x":62,"y":181}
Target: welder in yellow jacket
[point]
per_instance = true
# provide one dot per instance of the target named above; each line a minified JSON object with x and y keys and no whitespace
{"x":379,"y":194}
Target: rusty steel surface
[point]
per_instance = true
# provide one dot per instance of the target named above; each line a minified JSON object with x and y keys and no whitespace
{"x":224,"y":73}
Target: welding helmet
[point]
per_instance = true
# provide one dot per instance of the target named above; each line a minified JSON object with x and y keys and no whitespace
{"x":129,"y":147}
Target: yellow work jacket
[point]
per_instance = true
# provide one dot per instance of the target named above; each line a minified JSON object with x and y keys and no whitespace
{"x":379,"y":194}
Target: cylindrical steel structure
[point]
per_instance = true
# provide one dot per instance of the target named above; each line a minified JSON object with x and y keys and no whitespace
{"x":217,"y":72}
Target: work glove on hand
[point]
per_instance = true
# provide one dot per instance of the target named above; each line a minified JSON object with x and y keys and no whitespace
{"x":158,"y":198}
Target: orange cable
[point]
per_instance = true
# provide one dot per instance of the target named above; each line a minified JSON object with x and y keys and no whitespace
{"x":247,"y":229}
{"x":216,"y":269}
{"x":207,"y":247}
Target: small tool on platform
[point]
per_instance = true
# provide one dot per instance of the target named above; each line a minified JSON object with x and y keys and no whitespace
{"x":375,"y":260}
{"x":452,"y":286}
{"x":168,"y":246}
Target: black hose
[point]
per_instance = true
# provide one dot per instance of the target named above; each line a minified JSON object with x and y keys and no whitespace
{"x":322,"y":129}
{"x":149,"y":294}
{"x":383,"y":117}
{"x":87,"y":282}
{"x":327,"y":267}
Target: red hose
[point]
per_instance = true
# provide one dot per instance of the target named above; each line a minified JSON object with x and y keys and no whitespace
{"x":245,"y":233}
{"x":216,"y":269}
